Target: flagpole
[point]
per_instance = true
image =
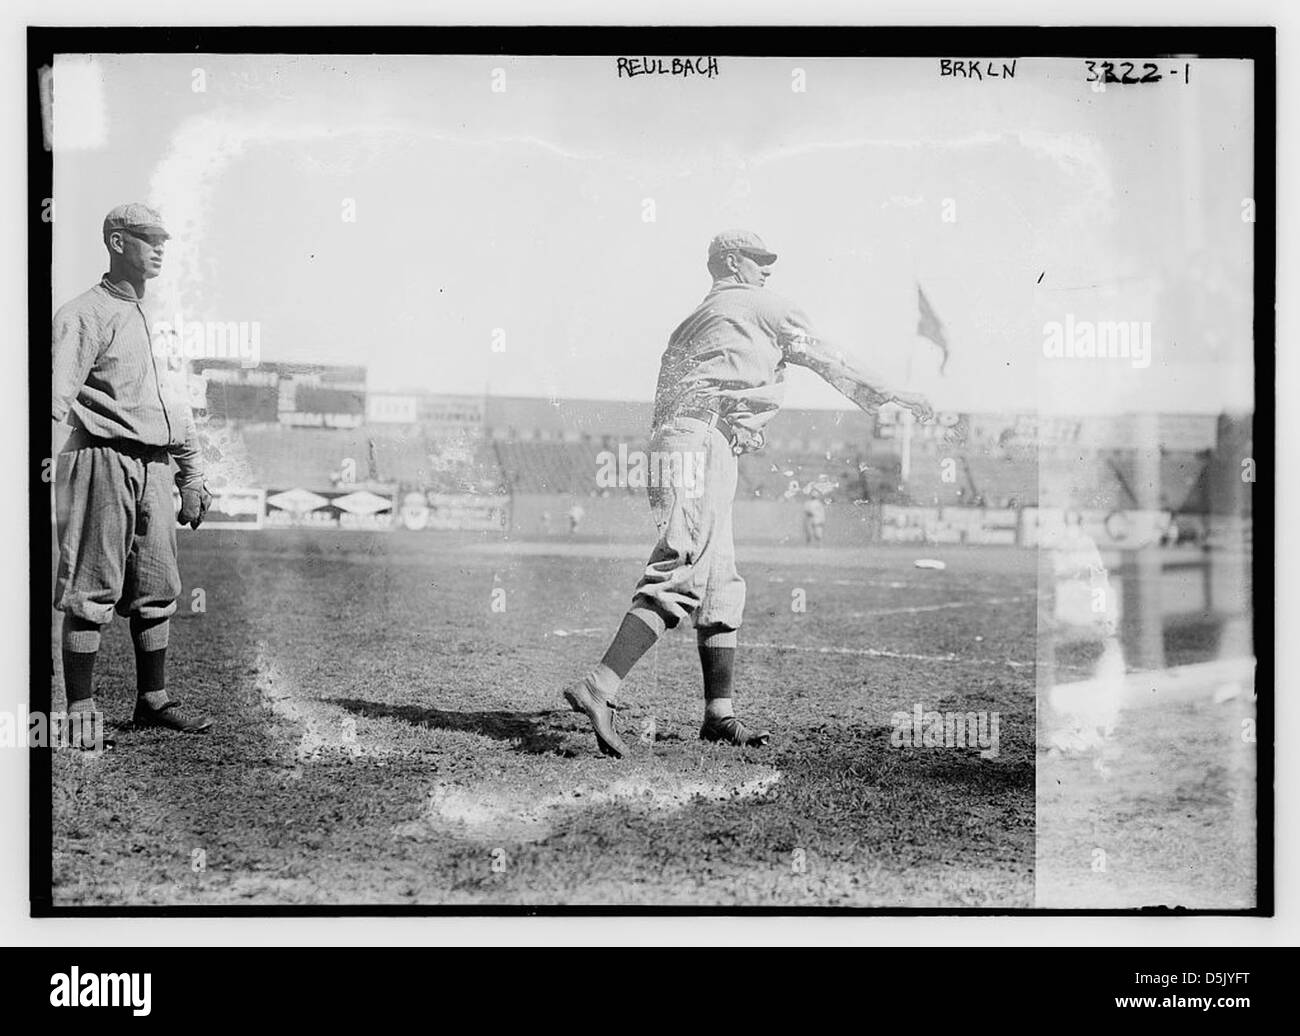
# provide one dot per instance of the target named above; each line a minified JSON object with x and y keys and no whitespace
{"x":905,"y":465}
{"x":905,"y":470}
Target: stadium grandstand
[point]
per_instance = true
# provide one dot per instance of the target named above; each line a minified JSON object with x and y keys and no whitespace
{"x":319,"y":428}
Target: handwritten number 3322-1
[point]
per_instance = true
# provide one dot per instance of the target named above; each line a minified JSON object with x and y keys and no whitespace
{"x":1105,"y":71}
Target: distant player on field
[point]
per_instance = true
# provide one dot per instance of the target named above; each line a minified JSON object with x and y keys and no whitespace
{"x":720,"y":382}
{"x":814,"y":520}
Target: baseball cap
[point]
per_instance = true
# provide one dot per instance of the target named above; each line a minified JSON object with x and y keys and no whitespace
{"x":134,"y":216}
{"x":742,"y":241}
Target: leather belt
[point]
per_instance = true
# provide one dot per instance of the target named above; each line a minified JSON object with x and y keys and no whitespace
{"x":80,"y":439}
{"x":714,"y":420}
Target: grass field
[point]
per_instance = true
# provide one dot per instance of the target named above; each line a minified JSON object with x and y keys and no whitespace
{"x":390,"y":731}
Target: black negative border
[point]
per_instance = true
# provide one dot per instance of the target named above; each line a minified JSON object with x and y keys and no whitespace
{"x":1254,"y":43}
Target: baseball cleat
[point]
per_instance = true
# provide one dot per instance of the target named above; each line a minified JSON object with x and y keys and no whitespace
{"x":731,"y":731}
{"x":582,"y":697}
{"x":172,"y":716}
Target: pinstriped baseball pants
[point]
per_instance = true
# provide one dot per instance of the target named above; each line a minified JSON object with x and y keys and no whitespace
{"x":109,"y":559}
{"x":692,"y":569}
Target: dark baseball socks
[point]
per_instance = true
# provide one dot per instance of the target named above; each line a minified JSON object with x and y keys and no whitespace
{"x":718,"y":663}
{"x":640,"y":630}
{"x":80,"y":648}
{"x":81,"y":640}
{"x":78,"y":679}
{"x":149,"y":637}
{"x":637,"y":634}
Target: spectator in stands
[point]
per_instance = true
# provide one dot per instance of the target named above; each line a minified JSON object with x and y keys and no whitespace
{"x":576,"y":514}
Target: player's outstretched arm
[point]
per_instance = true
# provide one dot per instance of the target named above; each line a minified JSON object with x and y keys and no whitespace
{"x":854,"y":382}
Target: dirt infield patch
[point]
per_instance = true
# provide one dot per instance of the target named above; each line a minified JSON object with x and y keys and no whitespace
{"x":523,"y":814}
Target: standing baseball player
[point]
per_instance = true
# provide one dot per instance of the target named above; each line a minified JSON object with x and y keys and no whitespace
{"x":117,"y":425}
{"x":814,"y":520}
{"x":720,"y":382}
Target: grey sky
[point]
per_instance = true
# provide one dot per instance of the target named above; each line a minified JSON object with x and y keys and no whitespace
{"x":524,"y":210}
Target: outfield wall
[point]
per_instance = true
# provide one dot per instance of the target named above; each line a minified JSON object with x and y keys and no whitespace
{"x":626,"y":517}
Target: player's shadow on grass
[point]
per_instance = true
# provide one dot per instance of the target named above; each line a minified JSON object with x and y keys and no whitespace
{"x":528,"y":729}
{"x":867,"y":753}
{"x":979,"y":776}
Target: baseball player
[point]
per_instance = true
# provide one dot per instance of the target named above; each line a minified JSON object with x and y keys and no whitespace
{"x":814,"y":520}
{"x":720,"y":382}
{"x":117,"y":426}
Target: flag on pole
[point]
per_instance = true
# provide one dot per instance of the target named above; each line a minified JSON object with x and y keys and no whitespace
{"x":930,"y":326}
